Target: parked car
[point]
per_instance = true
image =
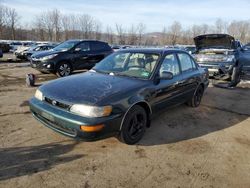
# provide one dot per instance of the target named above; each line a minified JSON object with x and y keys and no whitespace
{"x":36,"y":49}
{"x":19,"y":52}
{"x":14,"y":46}
{"x":120,"y":47}
{"x":223,"y":56}
{"x":5,"y":47}
{"x":120,"y":94}
{"x":244,"y":59}
{"x":71,"y":55}
{"x":190,"y":49}
{"x":1,"y":53}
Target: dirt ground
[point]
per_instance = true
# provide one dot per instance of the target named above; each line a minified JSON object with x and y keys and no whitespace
{"x":204,"y":147}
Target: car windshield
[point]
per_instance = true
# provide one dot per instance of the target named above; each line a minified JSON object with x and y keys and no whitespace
{"x":130,"y":64}
{"x":33,"y":48}
{"x":65,"y":46}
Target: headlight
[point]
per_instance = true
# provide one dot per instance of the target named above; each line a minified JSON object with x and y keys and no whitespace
{"x":39,"y":95}
{"x":48,"y":57}
{"x":91,"y":111}
{"x":230,"y":58}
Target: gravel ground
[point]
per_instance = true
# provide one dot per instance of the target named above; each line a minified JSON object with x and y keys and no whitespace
{"x":204,"y":147}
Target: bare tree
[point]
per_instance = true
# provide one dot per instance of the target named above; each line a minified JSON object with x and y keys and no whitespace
{"x":175,"y":31}
{"x":109,"y":35}
{"x":220,"y":26}
{"x":66,"y":26}
{"x":204,"y":29}
{"x":2,"y":19}
{"x":120,"y":34}
{"x":132,"y":35}
{"x":86,"y":25}
{"x":240,"y":30}
{"x":97,"y":30}
{"x":40,"y":28}
{"x":55,"y":17}
{"x":12,"y":21}
{"x":164,"y":36}
{"x":141,"y":30}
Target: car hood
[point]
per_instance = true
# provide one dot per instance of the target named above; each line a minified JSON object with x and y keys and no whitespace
{"x":90,"y":88}
{"x":45,"y":53}
{"x":221,"y":41}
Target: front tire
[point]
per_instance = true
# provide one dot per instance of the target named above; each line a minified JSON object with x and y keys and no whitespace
{"x":63,"y":69}
{"x":235,"y":78}
{"x":134,"y":125}
{"x":196,"y":99}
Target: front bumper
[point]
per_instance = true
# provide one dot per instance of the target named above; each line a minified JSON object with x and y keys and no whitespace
{"x":218,"y":68}
{"x":68,"y":124}
{"x":42,"y":66}
{"x":19,"y":55}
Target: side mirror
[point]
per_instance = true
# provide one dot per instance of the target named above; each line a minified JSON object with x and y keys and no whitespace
{"x":165,"y":75}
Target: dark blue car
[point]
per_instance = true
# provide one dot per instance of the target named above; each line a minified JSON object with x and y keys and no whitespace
{"x":120,"y":94}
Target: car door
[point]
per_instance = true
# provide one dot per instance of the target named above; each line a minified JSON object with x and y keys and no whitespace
{"x":245,"y":60}
{"x":190,"y":75}
{"x":167,"y":92}
{"x":82,"y":56}
{"x":99,"y":50}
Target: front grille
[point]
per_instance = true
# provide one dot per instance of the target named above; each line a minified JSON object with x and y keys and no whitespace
{"x":57,"y":103}
{"x":211,"y":58}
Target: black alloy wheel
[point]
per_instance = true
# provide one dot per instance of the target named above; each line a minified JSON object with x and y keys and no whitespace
{"x":64,"y":69}
{"x":134,"y":125}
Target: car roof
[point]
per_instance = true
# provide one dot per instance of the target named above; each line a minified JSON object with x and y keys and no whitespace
{"x":39,"y":45}
{"x":152,"y":50}
{"x":84,"y":40}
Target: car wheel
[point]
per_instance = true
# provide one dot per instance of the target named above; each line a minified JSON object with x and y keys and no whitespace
{"x":196,"y":99}
{"x":134,"y":125}
{"x":235,"y":78}
{"x":64,"y":69}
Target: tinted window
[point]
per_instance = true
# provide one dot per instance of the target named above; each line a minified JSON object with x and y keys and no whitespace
{"x":185,"y":61}
{"x":99,"y":46}
{"x":84,"y":46}
{"x":65,"y":46}
{"x":170,"y":64}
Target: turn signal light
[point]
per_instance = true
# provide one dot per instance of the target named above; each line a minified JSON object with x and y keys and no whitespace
{"x":93,"y":128}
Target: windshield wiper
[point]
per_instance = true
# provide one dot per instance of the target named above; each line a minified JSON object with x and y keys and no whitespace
{"x":99,"y":71}
{"x":125,"y":75}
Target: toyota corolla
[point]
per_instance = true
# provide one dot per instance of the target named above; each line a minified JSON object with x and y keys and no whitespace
{"x":119,"y":95}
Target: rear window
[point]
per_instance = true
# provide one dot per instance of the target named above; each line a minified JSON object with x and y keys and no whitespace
{"x":96,"y":46}
{"x":186,"y":62}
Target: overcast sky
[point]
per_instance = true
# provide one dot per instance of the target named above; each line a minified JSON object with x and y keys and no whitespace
{"x":154,"y":13}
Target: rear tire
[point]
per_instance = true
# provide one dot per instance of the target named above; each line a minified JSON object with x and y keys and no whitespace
{"x":134,"y":125}
{"x":63,"y":69}
{"x":196,"y":99}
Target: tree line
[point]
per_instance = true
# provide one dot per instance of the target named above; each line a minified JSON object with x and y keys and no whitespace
{"x":52,"y":25}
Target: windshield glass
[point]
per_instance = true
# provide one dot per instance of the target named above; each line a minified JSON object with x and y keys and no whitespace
{"x":139,"y":65}
{"x":65,"y":46}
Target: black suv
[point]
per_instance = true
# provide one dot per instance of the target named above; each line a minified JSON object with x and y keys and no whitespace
{"x":69,"y":56}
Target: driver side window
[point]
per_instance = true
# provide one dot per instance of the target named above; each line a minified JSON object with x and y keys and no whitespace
{"x":170,"y":64}
{"x":83,"y":47}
